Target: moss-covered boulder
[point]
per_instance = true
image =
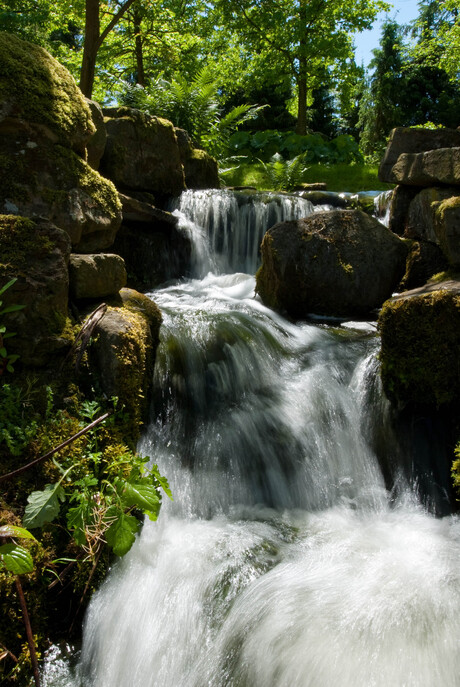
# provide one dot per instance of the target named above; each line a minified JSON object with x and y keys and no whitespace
{"x":142,"y":153}
{"x":35,"y":88}
{"x":39,"y":178}
{"x":427,"y":169}
{"x":341,"y":263}
{"x":200,"y":169}
{"x":96,"y":275}
{"x":123,"y":355}
{"x":37,"y":254}
{"x":420,"y":332}
{"x":434,"y":215}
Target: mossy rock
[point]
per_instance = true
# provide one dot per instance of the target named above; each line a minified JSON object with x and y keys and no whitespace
{"x":37,"y":255}
{"x":96,"y":275}
{"x":39,"y":178}
{"x":34,"y":87}
{"x":200,"y":168}
{"x":123,"y":355}
{"x":341,"y":263}
{"x":142,"y":153}
{"x":420,"y":332}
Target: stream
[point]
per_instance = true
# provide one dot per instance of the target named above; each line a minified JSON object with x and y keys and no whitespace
{"x":300,"y":549}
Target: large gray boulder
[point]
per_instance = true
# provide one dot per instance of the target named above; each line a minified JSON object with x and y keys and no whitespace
{"x":37,"y":255}
{"x":96,"y":275}
{"x":430,"y":168}
{"x":43,"y":179}
{"x":341,"y":263}
{"x":142,"y":153}
{"x":406,"y":140}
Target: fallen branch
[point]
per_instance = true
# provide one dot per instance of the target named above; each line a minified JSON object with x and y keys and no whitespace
{"x":30,"y":637}
{"x":96,"y":422}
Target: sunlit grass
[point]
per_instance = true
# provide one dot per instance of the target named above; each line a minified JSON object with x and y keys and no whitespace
{"x":351,"y":178}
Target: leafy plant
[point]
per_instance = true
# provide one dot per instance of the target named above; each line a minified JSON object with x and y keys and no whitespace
{"x":13,"y":557}
{"x":99,"y":495}
{"x":193,"y":105}
{"x":7,"y":359}
{"x":284,"y":175}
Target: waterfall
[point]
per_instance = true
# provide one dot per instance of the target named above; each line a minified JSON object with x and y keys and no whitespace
{"x":286,"y":559}
{"x":234,"y":223}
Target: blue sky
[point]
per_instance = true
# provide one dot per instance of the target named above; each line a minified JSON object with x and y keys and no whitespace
{"x":403,"y":10}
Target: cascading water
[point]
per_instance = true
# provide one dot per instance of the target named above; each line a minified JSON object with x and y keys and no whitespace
{"x":283,"y":560}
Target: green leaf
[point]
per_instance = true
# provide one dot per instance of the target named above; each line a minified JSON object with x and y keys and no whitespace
{"x":16,"y":559}
{"x":13,"y":531}
{"x":120,"y":535}
{"x":43,"y":506}
{"x":7,"y":285}
{"x":77,"y":519}
{"x":141,"y":494}
{"x":12,"y":308}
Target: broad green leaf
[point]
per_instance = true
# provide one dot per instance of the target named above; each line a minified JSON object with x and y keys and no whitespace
{"x":16,"y":559}
{"x":13,"y":531}
{"x":77,"y":519}
{"x":43,"y":506}
{"x":140,"y":494}
{"x":120,"y":535}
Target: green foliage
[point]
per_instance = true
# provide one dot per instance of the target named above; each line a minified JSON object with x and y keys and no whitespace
{"x":15,"y":558}
{"x":314,"y":148}
{"x":7,"y":359}
{"x":191,"y":104}
{"x":99,"y":487}
{"x":351,"y":178}
{"x":19,"y":419}
{"x":284,"y":175}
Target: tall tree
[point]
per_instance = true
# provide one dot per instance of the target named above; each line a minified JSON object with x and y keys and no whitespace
{"x":94,"y":38}
{"x":303,"y":37}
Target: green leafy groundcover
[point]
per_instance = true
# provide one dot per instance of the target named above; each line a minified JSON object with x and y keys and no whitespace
{"x":314,"y":147}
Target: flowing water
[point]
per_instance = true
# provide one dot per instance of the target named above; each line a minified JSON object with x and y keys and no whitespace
{"x":285,"y":559}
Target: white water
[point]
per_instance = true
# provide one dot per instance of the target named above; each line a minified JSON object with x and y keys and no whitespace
{"x":283,"y":561}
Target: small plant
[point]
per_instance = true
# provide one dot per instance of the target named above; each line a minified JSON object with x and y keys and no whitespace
{"x":101,"y":489}
{"x":284,"y":175}
{"x":7,"y":359}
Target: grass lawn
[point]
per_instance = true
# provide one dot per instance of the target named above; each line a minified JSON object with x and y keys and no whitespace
{"x":350,"y":178}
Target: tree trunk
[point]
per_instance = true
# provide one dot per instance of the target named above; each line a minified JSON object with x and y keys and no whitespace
{"x":140,"y":77}
{"x":91,"y":47}
{"x":301,"y":127}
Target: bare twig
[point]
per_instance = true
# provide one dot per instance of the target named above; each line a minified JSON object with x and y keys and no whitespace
{"x":30,"y":637}
{"x":96,"y":422}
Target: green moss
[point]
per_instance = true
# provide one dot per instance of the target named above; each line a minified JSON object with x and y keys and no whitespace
{"x":18,"y":241}
{"x":421,"y":348}
{"x":42,"y":90}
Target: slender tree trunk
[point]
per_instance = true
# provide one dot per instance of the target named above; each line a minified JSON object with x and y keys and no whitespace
{"x":138,"y":48}
{"x":91,"y":47}
{"x":30,"y":636}
{"x":301,"y":127}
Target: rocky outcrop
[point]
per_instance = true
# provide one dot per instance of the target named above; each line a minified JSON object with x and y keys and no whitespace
{"x":423,"y":261}
{"x":426,"y":202}
{"x":151,"y":244}
{"x":427,"y":169}
{"x":341,"y":263}
{"x":35,"y":88}
{"x":407,"y":141}
{"x":200,"y":169}
{"x":96,"y":276}
{"x":96,"y":144}
{"x":141,"y":153}
{"x":420,"y":333}
{"x":42,"y":179}
{"x":37,"y":255}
